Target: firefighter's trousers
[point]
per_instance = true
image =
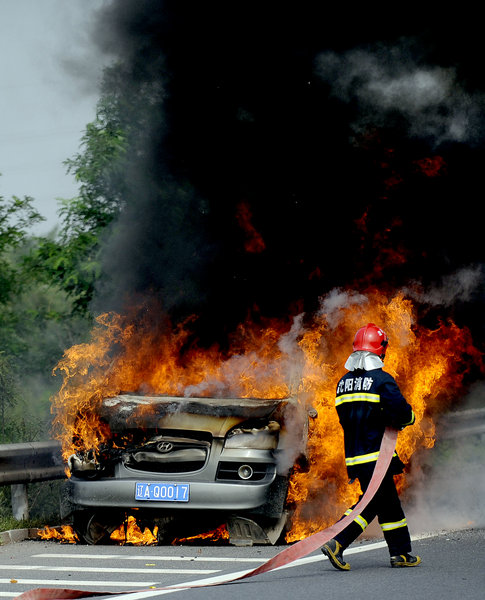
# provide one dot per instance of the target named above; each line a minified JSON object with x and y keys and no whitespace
{"x":386,"y":506}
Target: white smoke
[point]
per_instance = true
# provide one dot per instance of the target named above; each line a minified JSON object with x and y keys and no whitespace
{"x":336,"y":301}
{"x":448,"y":490}
{"x":288,"y":369}
{"x":385,"y":81}
{"x":240,"y":367}
{"x":451,"y":497}
{"x":288,"y":344}
{"x":459,"y":286}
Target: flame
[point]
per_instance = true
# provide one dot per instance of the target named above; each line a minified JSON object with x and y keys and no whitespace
{"x":254,"y":243}
{"x":302,"y":356}
{"x":129,"y":532}
{"x":429,"y":367}
{"x":65,"y":534}
{"x":216,"y":535}
{"x":431,"y":166}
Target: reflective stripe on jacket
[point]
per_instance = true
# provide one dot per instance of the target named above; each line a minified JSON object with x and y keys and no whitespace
{"x":367,"y":402}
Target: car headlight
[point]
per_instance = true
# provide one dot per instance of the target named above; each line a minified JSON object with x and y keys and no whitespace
{"x":264,"y":437}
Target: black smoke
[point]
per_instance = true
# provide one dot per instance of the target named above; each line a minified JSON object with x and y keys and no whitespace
{"x":316,"y":124}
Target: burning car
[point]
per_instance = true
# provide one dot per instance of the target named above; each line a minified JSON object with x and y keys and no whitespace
{"x":186,"y":465}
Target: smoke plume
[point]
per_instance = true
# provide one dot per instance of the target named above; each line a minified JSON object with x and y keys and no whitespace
{"x":454,"y":288}
{"x":275,"y":154}
{"x":281,"y":162}
{"x":390,"y":82}
{"x":448,"y":488}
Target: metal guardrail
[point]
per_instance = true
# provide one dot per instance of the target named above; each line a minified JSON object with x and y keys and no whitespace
{"x":21,"y":464}
{"x":31,"y":461}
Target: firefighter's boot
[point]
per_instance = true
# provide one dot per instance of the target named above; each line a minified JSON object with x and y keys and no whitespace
{"x":333,"y":551}
{"x":405,"y":560}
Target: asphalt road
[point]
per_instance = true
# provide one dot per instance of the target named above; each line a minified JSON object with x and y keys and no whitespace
{"x":453,"y":565}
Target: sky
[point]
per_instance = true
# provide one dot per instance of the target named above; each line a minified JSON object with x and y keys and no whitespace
{"x":49,"y":74}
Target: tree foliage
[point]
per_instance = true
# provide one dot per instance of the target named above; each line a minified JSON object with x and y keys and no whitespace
{"x":71,"y":258}
{"x":112,"y":147}
{"x":47,"y":283}
{"x":17,"y":216}
{"x":8,"y":391}
{"x":97,"y":169}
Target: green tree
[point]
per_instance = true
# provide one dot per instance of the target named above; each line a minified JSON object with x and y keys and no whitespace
{"x":8,"y":391}
{"x":71,"y":257}
{"x":111,"y":151}
{"x":48,"y":282}
{"x":17,"y":216}
{"x":36,"y":326}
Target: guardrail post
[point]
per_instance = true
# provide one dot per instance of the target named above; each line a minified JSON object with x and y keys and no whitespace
{"x":20,"y":501}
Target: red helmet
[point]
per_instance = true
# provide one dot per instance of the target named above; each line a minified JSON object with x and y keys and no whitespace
{"x":371,"y":338}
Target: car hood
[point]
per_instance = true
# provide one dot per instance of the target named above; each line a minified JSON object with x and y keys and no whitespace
{"x":214,"y":415}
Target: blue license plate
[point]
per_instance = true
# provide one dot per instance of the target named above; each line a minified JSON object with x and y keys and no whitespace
{"x":162,"y":492}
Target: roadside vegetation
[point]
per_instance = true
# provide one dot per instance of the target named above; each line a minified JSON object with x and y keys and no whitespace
{"x":43,"y":507}
{"x":48,"y":284}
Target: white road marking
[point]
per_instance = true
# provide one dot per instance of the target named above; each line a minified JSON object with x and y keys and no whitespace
{"x":178,"y":587}
{"x":84,"y":583}
{"x":109,"y":569}
{"x":148,"y":593}
{"x":231,"y":576}
{"x":148,"y":557}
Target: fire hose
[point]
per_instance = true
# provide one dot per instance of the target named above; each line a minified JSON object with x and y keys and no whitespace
{"x":286,"y":556}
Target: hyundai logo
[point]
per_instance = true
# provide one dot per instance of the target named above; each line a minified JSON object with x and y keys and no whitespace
{"x":164,"y":447}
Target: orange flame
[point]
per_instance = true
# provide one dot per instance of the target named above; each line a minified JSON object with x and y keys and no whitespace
{"x":216,"y":535}
{"x":64,"y":534}
{"x":130,"y":533}
{"x":273,"y":359}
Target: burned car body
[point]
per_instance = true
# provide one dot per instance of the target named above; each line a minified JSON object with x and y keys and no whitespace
{"x":187,"y":463}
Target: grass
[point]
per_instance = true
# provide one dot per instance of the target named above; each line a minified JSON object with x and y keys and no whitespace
{"x":8,"y":522}
{"x":43,"y":500}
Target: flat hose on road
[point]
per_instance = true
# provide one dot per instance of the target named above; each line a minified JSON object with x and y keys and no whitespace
{"x":286,"y":556}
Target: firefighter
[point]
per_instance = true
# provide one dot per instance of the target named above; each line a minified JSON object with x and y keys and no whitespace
{"x":368,"y":399}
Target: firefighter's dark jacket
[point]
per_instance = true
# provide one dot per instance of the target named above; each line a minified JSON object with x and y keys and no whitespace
{"x":367,"y":402}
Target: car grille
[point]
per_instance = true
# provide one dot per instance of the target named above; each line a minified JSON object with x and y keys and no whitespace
{"x":169,"y":455}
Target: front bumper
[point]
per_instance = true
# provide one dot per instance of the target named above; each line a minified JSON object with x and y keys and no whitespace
{"x":207,"y":491}
{"x":120,"y":493}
